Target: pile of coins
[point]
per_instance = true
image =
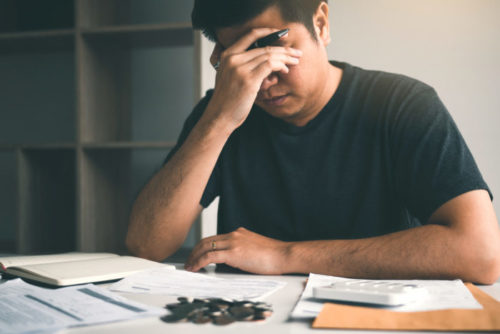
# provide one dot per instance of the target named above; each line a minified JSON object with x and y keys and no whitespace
{"x":216,"y":310}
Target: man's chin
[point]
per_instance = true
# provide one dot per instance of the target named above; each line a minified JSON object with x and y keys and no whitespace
{"x":279,"y":111}
{"x":286,"y":115}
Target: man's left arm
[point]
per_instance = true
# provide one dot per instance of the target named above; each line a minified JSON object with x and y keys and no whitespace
{"x":460,"y":240}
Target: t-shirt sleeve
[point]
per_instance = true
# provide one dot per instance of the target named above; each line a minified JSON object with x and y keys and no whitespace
{"x":432,"y":163}
{"x":211,"y":190}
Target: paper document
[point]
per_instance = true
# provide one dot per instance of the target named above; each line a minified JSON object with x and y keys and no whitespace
{"x":26,"y":308}
{"x":442,"y":295}
{"x":183,"y":283}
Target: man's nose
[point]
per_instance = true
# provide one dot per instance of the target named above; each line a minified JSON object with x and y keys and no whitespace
{"x":271,"y":80}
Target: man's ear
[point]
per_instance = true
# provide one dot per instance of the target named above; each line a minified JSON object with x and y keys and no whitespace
{"x":321,"y":24}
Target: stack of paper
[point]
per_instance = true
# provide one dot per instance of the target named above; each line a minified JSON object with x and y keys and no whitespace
{"x":442,"y":295}
{"x":26,"y":308}
{"x":183,"y":283}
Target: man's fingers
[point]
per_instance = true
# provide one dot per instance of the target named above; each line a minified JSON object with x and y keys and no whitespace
{"x":207,"y":258}
{"x":273,"y":60}
{"x":240,"y":249}
{"x":207,"y":245}
{"x":199,"y":249}
{"x":256,"y":56}
{"x":215,"y":57}
{"x":269,"y":50}
{"x":246,"y":41}
{"x":264,"y":69}
{"x":218,"y":245}
{"x":262,"y":65}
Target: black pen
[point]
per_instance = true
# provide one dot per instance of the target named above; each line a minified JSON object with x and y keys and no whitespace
{"x":269,"y":39}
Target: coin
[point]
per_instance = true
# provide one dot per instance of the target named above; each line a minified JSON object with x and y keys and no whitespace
{"x":216,"y":310}
{"x":262,"y":306}
{"x":201,"y":319}
{"x":266,"y":311}
{"x":196,"y":313}
{"x":196,"y":300}
{"x":180,"y":313}
{"x":242,"y":313}
{"x":224,"y":319}
{"x":174,"y":317}
{"x":216,"y":313}
{"x":171,"y":306}
{"x":258,"y":316}
{"x":185,"y":300}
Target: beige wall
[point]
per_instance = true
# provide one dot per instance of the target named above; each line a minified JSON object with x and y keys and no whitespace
{"x":453,"y":45}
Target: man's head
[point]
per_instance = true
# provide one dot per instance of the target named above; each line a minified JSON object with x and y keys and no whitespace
{"x":298,"y":95}
{"x":210,"y":15}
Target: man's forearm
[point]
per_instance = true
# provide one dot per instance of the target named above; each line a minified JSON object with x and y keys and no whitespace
{"x":430,"y":251}
{"x":460,"y":240}
{"x":167,"y":206}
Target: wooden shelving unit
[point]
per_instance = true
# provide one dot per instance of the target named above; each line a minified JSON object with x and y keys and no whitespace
{"x":92,"y":98}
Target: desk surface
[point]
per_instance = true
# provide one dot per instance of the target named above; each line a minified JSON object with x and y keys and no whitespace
{"x":283,"y":302}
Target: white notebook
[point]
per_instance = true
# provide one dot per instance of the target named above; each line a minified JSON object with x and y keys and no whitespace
{"x":75,"y":268}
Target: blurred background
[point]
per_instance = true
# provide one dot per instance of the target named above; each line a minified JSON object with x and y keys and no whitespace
{"x":93,"y":94}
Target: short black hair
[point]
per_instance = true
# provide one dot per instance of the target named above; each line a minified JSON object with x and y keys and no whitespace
{"x":210,"y":15}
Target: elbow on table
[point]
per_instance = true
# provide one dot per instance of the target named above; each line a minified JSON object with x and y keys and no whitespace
{"x":143,"y":250}
{"x":490,"y":275}
{"x":485,"y":267}
{"x":493,"y":273}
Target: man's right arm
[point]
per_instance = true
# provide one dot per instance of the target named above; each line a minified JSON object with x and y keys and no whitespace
{"x":168,"y":205}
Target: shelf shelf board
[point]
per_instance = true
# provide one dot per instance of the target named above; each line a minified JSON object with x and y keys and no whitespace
{"x":128,"y":145}
{"x":143,"y":35}
{"x":37,"y":41}
{"x":36,"y":34}
{"x":48,"y":146}
{"x":137,"y":27}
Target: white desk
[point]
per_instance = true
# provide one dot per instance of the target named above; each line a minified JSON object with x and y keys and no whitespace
{"x":282,"y":301}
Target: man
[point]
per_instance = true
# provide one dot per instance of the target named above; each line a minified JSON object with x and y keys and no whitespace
{"x":320,"y":166}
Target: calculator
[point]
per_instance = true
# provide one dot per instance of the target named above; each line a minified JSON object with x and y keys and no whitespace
{"x":385,"y":293}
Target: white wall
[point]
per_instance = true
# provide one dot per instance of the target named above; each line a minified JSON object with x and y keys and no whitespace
{"x":207,"y":81}
{"x":453,"y":45}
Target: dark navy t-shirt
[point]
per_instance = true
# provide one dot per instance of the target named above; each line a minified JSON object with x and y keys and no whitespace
{"x":382,"y":156}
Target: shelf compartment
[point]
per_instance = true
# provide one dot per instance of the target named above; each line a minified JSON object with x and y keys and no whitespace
{"x":134,"y":94}
{"x":26,"y":15}
{"x":98,"y":13}
{"x":110,"y":181}
{"x":47,"y":201}
{"x":37,"y":98}
{"x":8,"y":200}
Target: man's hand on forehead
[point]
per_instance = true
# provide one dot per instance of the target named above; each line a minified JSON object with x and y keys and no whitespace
{"x":274,"y":38}
{"x":241,"y":72}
